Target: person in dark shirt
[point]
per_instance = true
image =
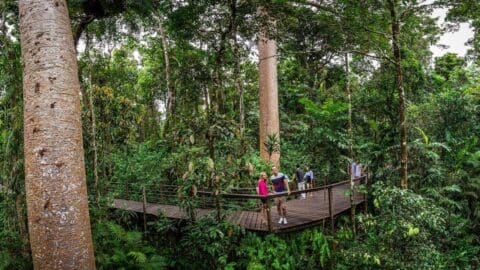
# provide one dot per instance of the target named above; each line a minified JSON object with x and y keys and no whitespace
{"x":280,"y":185}
{"x":299,"y":176}
{"x":309,"y":178}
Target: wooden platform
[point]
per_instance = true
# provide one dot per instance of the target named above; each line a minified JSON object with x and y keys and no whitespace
{"x":314,"y":209}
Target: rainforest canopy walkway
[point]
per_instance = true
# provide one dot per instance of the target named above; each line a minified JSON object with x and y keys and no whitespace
{"x":242,"y":206}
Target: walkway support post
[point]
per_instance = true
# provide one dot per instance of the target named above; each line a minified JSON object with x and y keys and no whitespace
{"x":365,"y":195}
{"x":160,"y":188}
{"x":217,"y":204}
{"x":144,"y":195}
{"x":330,"y":208}
{"x":269,"y":216}
{"x":352,"y":204}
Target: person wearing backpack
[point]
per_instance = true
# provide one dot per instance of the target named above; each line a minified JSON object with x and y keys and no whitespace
{"x":299,"y":176}
{"x":309,"y":178}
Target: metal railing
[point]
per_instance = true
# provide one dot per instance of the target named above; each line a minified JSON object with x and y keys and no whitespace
{"x":240,"y":199}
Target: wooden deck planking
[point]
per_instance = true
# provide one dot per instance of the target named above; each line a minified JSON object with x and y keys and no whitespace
{"x":300,"y":212}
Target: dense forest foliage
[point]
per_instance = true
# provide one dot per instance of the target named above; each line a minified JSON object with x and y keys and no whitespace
{"x":169,"y":95}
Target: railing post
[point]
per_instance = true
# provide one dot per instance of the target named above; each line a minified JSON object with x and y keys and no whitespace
{"x":269,"y":216}
{"x":144,"y":195}
{"x":330,"y":208}
{"x":127,"y":191}
{"x":161,"y":189}
{"x":217,"y":204}
{"x":365,"y":195}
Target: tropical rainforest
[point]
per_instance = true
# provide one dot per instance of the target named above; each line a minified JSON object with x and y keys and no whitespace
{"x":103,"y":97}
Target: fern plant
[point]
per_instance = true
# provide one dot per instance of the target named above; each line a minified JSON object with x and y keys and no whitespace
{"x":272,"y":145}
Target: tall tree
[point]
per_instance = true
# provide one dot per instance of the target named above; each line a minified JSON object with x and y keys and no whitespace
{"x":56,"y":192}
{"x":395,"y":25}
{"x":268,"y":103}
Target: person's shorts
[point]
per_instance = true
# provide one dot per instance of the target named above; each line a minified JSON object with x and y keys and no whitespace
{"x":280,"y":200}
{"x":309,"y":181}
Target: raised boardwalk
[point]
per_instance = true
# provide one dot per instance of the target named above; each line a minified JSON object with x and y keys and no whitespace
{"x":315,"y":209}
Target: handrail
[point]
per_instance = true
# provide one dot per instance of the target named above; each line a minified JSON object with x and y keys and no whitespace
{"x":271,"y":196}
{"x":245,"y":202}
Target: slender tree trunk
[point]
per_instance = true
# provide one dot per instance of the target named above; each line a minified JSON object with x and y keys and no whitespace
{"x":56,"y":191}
{"x":236,"y":73}
{"x":3,"y":25}
{"x":269,"y":115}
{"x":206,"y":98}
{"x":93,"y":122}
{"x":241,"y":101}
{"x":22,"y":228}
{"x":170,"y":106}
{"x":350,"y":135}
{"x":94,"y":141}
{"x":349,"y":97}
{"x":393,"y":4}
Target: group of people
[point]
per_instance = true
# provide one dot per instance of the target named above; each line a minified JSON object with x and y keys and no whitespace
{"x":279,"y":182}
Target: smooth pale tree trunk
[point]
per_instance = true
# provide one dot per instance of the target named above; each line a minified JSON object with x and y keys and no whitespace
{"x":350,"y":135}
{"x":56,"y":191}
{"x":269,"y":115}
{"x":170,"y":93}
{"x":236,"y":75}
{"x":22,"y":228}
{"x":3,"y":25}
{"x":93,"y":120}
{"x":395,"y":23}
{"x":93,"y":132}
{"x":349,"y":97}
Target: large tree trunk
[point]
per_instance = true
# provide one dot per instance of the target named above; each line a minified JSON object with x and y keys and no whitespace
{"x":269,"y":115}
{"x":393,"y":4}
{"x":56,"y":191}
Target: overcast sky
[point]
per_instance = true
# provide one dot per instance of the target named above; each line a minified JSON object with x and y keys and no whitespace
{"x":454,"y":40}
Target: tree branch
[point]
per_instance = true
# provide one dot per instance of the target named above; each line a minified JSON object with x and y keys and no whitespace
{"x":320,"y":6}
{"x":81,"y":28}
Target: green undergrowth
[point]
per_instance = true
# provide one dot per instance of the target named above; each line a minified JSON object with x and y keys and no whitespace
{"x":405,"y":231}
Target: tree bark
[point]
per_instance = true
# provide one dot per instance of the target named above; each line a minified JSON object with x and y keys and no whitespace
{"x":395,"y":23}
{"x":269,"y":115}
{"x":56,"y":191}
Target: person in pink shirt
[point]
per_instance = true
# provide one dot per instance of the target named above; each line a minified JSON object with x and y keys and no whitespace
{"x":262,"y":190}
